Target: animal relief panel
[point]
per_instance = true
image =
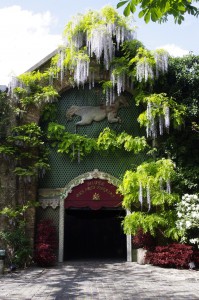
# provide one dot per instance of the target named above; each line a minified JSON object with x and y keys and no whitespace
{"x":89,"y":114}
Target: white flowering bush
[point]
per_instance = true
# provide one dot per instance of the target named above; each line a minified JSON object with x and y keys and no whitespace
{"x":188,"y":218}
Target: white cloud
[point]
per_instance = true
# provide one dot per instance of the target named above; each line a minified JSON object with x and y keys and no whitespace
{"x":25,"y":40}
{"x":174,"y":50}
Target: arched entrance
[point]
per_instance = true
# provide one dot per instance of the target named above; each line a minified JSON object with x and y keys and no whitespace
{"x":94,"y":234}
{"x":91,"y":216}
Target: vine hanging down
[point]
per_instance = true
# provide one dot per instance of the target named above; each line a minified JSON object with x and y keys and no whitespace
{"x":147,"y":193}
{"x":161,"y":110}
{"x":77,"y":146}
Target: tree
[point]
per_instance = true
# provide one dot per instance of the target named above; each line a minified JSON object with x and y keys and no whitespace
{"x":182,"y":82}
{"x":160,"y":10}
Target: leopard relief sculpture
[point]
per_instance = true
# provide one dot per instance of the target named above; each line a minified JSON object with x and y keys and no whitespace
{"x":89,"y":114}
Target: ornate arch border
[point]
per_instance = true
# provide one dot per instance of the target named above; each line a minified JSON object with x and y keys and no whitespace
{"x":68,"y":189}
{"x":86,"y":176}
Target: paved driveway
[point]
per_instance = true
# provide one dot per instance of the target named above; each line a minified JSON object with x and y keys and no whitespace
{"x":100,"y":280}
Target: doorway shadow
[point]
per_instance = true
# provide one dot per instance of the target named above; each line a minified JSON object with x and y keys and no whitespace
{"x":94,"y":234}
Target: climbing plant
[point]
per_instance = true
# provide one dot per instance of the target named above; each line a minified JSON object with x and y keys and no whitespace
{"x":78,"y":146}
{"x":5,"y":111}
{"x":161,"y":110}
{"x":96,"y":40}
{"x":148,"y":196}
{"x":33,"y":88}
{"x":25,"y":150}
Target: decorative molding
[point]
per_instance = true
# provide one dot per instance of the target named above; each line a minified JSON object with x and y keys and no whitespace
{"x":86,"y":176}
{"x":54,"y":203}
{"x":52,"y":197}
{"x":49,"y":197}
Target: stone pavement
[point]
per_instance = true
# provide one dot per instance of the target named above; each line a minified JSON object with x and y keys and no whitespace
{"x":100,"y":280}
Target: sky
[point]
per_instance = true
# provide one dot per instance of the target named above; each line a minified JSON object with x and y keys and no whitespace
{"x":32,"y":29}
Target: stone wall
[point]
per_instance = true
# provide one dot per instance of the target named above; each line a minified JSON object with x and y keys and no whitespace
{"x":7,"y":189}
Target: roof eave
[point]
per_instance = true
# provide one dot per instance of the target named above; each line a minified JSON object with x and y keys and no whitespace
{"x":43,"y":61}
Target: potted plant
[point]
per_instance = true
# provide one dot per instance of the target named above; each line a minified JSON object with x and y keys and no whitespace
{"x":141,"y":243}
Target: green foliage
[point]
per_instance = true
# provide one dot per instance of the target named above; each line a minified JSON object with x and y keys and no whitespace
{"x":143,"y":55}
{"x":7,"y":151}
{"x":148,"y":188}
{"x":49,"y":112}
{"x":67,"y":143}
{"x":106,"y":85}
{"x":130,"y":48}
{"x":148,"y":223}
{"x":130,"y":143}
{"x":34,"y":89}
{"x":93,"y":19}
{"x":78,"y":50}
{"x":78,"y":146}
{"x":55,"y":131}
{"x":17,"y":245}
{"x":45,"y":95}
{"x":153,"y":177}
{"x":26,"y":135}
{"x":183,"y":82}
{"x":109,"y":140}
{"x":15,"y":238}
{"x":187,"y":178}
{"x":156,"y":223}
{"x":32,"y":79}
{"x":5,"y":111}
{"x":25,"y":147}
{"x":159,"y":104}
{"x":182,"y":144}
{"x":159,"y":10}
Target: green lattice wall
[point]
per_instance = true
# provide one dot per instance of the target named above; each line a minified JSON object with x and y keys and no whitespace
{"x":62,"y":168}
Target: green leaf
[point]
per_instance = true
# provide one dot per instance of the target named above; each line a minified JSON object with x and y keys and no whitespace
{"x":154,"y":15}
{"x":181,"y":8}
{"x":127,"y":10}
{"x":133,"y":9}
{"x":147,"y":17}
{"x":142,"y":13}
{"x":121,"y":3}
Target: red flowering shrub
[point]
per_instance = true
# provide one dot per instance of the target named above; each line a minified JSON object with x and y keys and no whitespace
{"x":196,"y":257}
{"x":143,"y":240}
{"x":46,"y":244}
{"x":173,"y":255}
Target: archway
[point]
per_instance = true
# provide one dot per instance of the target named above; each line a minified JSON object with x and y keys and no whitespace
{"x":90,"y":218}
